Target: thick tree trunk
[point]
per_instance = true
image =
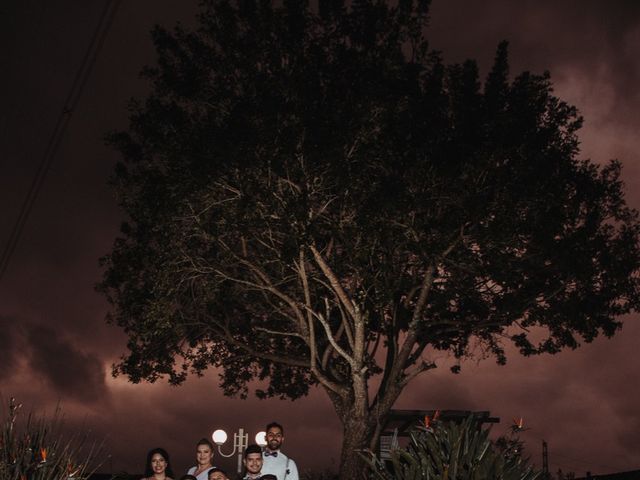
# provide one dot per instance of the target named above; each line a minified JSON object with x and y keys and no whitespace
{"x":361,"y":429}
{"x":357,"y":433}
{"x":357,"y":428}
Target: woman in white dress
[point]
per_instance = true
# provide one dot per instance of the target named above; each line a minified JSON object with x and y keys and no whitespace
{"x":204,"y":456}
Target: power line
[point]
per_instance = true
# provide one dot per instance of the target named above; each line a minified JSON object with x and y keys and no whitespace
{"x":70,"y":103}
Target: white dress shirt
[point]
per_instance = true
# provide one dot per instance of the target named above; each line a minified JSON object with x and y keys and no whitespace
{"x":280,"y":465}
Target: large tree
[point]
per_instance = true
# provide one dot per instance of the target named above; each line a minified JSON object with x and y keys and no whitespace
{"x":315,"y":199}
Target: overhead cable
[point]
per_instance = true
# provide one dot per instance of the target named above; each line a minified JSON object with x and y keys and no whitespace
{"x":70,"y":103}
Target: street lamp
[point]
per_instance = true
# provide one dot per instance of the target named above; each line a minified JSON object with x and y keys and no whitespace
{"x":219,"y":437}
{"x":240,"y":442}
{"x":261,"y":438}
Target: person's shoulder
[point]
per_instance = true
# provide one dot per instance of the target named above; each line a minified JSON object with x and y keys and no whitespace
{"x":293,"y":466}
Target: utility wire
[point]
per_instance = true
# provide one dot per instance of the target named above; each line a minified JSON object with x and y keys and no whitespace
{"x":70,"y":103}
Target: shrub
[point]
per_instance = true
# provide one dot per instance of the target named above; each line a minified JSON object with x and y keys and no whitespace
{"x":451,"y":451}
{"x":36,"y":449}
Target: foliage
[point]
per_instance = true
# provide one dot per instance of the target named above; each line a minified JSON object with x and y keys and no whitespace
{"x":564,"y":476}
{"x":316,"y":198}
{"x":36,"y":450}
{"x":323,"y":475}
{"x":510,"y":445}
{"x":451,"y":451}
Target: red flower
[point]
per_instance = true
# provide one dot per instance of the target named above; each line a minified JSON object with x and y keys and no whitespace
{"x":518,"y":424}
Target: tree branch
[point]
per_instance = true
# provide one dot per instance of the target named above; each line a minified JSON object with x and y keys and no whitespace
{"x":333,"y":280}
{"x":343,"y":317}
{"x":294,"y":362}
{"x":292,"y":303}
{"x":284,"y":334}
{"x":307,"y":298}
{"x":423,"y":367}
{"x":334,"y":344}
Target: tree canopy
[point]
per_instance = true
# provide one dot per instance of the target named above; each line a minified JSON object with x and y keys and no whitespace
{"x":315,"y":198}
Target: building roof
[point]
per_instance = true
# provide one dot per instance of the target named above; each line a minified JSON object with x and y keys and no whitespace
{"x":404,"y":420}
{"x":631,"y":475}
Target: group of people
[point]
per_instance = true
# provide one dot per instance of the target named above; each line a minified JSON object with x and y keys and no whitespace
{"x":267,"y":463}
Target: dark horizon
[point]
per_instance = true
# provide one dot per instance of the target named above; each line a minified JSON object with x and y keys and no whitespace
{"x":56,"y":346}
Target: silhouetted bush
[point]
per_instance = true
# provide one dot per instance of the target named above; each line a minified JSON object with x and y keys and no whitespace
{"x":451,"y":451}
{"x":35,"y":449}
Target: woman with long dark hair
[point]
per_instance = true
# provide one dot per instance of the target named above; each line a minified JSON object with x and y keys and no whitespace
{"x":158,"y":466}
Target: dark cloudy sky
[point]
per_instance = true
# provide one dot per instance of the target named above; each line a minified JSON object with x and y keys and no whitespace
{"x":54,"y":342}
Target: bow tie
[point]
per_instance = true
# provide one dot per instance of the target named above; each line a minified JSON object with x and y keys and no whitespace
{"x":270,"y":454}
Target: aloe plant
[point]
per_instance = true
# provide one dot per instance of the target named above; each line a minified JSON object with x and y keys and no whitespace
{"x":35,"y":449}
{"x":451,"y":451}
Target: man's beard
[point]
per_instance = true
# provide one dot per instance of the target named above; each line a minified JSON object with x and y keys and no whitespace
{"x":274,"y":446}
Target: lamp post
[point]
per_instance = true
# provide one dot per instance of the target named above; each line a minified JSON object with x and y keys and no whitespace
{"x":240,"y":442}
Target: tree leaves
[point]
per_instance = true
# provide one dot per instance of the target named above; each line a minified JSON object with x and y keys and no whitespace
{"x":317,"y":197}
